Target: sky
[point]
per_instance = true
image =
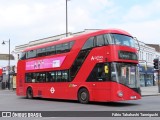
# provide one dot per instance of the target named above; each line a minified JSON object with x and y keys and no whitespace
{"x":22,"y":21}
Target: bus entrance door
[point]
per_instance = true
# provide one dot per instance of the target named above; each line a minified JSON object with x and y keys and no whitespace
{"x":101,"y":88}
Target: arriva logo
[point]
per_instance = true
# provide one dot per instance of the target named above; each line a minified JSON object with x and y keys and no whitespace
{"x":98,"y":58}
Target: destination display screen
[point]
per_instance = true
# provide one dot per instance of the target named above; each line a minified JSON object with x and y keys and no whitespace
{"x":127,"y":55}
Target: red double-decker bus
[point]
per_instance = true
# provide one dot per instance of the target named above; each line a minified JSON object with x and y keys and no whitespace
{"x":95,"y":66}
{"x":1,"y":74}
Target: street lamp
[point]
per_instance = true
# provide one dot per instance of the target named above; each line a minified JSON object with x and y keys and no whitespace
{"x":67,"y":18}
{"x":3,"y":43}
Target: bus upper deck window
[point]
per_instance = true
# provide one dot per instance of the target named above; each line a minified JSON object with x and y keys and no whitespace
{"x":32,"y":54}
{"x":100,"y":40}
{"x":22,"y":56}
{"x":89,"y":44}
{"x":108,"y":39}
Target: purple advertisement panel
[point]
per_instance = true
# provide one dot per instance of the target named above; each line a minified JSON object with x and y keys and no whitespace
{"x":45,"y":63}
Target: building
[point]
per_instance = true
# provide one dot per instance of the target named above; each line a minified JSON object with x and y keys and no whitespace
{"x":4,"y":72}
{"x":156,"y":46}
{"x":146,"y":71}
{"x":147,"y":53}
{"x":157,"y":55}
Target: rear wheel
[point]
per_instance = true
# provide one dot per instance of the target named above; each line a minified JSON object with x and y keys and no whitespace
{"x":29,"y":93}
{"x":83,"y":96}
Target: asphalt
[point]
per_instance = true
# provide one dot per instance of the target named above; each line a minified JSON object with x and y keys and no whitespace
{"x":150,"y":91}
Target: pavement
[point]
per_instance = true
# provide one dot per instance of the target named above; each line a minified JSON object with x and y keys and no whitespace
{"x":150,"y":91}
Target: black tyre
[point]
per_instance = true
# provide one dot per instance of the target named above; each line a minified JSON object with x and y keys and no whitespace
{"x":29,"y":93}
{"x":83,"y":96}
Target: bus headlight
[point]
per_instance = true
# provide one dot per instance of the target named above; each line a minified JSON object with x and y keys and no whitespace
{"x":120,"y":94}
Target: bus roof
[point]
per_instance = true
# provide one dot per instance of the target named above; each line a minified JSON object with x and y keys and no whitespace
{"x":71,"y":38}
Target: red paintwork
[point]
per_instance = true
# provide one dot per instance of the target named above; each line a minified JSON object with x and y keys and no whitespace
{"x":99,"y":91}
{"x":1,"y":72}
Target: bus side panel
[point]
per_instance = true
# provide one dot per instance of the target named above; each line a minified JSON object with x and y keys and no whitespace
{"x":100,"y":91}
{"x":50,"y":90}
{"x":128,"y":93}
{"x":97,"y":91}
{"x":20,"y":91}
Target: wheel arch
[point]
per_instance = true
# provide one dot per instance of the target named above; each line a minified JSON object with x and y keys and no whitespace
{"x":29,"y":87}
{"x":83,"y":87}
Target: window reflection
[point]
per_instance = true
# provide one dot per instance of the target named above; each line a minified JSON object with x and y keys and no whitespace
{"x":126,"y":74}
{"x":123,"y":40}
{"x":52,"y":76}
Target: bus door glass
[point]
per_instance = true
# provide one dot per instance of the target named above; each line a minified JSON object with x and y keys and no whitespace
{"x":99,"y":78}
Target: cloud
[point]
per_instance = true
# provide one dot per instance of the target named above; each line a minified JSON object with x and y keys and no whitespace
{"x":15,"y":15}
{"x":147,"y":31}
{"x":48,"y":19}
{"x":34,"y":14}
{"x":144,"y":12}
{"x":24,"y":21}
{"x":21,"y":14}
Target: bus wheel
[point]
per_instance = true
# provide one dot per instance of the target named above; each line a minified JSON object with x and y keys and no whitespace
{"x":83,"y":96}
{"x":29,"y":93}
